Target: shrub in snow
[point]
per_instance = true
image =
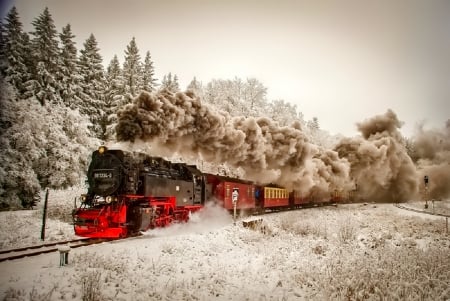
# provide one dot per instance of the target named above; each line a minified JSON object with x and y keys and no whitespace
{"x":346,"y":231}
{"x":91,"y":286}
{"x":393,"y":273}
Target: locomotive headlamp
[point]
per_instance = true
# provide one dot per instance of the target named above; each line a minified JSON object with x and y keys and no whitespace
{"x":109,"y":199}
{"x":83,"y":198}
{"x":102,"y":149}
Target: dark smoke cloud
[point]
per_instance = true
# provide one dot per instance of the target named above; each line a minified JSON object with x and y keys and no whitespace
{"x":265,"y":151}
{"x":379,"y":163}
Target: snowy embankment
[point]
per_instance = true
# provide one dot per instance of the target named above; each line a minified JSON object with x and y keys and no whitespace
{"x":354,"y":251}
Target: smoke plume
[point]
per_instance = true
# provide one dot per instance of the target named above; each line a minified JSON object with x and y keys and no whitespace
{"x":432,"y":152}
{"x":379,"y":163}
{"x":265,"y":151}
{"x":375,"y":164}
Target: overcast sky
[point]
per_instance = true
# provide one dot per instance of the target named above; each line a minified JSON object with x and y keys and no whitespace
{"x":341,"y":61}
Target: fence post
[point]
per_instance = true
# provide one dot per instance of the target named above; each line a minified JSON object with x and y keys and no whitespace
{"x":44,"y":216}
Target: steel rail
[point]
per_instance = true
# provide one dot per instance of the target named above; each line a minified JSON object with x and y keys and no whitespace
{"x":48,"y":248}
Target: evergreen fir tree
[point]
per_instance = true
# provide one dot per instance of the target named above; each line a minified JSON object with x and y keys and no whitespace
{"x":313,"y":124}
{"x":15,"y":51}
{"x":114,"y":98}
{"x":132,"y":69}
{"x":45,"y":53}
{"x":176,"y":85}
{"x":93,"y":83}
{"x":3,"y":61}
{"x":148,"y":79}
{"x":170,"y":83}
{"x":70,"y":76}
{"x":196,"y":86}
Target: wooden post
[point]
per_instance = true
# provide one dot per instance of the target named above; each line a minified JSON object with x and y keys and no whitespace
{"x":44,"y":216}
{"x":446,"y":225}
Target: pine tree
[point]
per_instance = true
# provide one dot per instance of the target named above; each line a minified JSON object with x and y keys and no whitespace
{"x":69,"y":77}
{"x":176,"y":85}
{"x":3,"y":61}
{"x":132,"y":69}
{"x":45,"y":53}
{"x":15,"y":51}
{"x":196,"y":86}
{"x":114,"y":97}
{"x":148,"y":79}
{"x":93,"y":83}
{"x":313,"y":124}
{"x":170,"y":83}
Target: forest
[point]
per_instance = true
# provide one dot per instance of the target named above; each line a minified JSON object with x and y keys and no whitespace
{"x":58,"y":103}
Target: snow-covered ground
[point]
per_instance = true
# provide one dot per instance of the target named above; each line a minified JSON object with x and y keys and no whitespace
{"x":348,"y":252}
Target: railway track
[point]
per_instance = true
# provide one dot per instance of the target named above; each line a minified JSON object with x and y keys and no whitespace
{"x":421,"y":211}
{"x":29,"y":251}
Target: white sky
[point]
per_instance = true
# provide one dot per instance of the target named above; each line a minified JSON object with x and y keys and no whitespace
{"x":342,"y":61}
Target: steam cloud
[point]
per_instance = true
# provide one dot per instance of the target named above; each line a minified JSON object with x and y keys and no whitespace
{"x":376,"y":163}
{"x":380,"y":165}
{"x":432,"y":152}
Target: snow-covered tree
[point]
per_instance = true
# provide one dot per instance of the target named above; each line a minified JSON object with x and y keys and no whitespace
{"x":15,"y":49}
{"x":132,"y":69}
{"x":42,"y":146}
{"x":69,"y":76}
{"x":238,"y":97}
{"x":284,"y":113}
{"x":255,"y":95}
{"x":3,"y":61}
{"x":226,"y":95}
{"x":93,"y":83}
{"x":114,"y":97}
{"x":170,"y":83}
{"x":196,"y":86}
{"x":45,"y":53}
{"x":148,"y":75}
{"x":313,"y":124}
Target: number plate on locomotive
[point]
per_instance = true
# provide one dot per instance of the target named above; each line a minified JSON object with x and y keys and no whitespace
{"x":103,"y":175}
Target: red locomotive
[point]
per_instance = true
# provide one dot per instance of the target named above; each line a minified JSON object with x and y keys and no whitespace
{"x":131,"y":192}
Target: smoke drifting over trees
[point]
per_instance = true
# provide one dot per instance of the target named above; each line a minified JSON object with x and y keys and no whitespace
{"x":375,"y":163}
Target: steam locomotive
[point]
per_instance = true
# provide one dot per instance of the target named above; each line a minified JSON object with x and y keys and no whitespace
{"x":131,"y":192}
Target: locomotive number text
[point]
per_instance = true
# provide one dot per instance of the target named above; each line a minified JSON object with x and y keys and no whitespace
{"x":103,"y":175}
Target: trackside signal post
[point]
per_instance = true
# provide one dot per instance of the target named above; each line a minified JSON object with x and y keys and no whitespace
{"x":234,"y":199}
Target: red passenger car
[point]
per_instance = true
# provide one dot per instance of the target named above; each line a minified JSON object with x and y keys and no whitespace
{"x":222,"y":189}
{"x":298,"y":199}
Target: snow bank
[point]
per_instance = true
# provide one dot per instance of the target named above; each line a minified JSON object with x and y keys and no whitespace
{"x":347,"y":252}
